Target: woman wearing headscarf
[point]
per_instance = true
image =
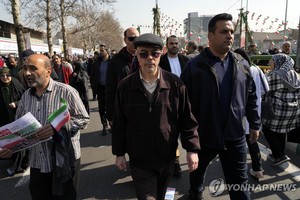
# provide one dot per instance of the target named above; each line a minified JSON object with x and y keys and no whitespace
{"x":11,"y":91}
{"x":284,"y":93}
{"x":79,"y":80}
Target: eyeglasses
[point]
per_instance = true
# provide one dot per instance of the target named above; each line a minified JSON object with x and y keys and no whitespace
{"x":5,"y":75}
{"x":145,"y":54}
{"x":131,"y":38}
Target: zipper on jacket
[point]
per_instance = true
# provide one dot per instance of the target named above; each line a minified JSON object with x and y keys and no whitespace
{"x":150,"y":106}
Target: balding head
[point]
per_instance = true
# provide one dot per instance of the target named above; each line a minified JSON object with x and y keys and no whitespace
{"x":130,"y":31}
{"x":39,"y":58}
{"x":129,"y":35}
{"x":37,"y":70}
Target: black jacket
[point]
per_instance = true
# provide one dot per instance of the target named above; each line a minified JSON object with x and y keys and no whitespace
{"x":165,"y":64}
{"x":16,"y":89}
{"x":118,"y":68}
{"x":201,"y":80}
{"x":149,"y":132}
{"x":94,"y":76}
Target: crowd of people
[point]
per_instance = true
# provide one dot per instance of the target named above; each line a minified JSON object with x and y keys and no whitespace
{"x":148,"y":100}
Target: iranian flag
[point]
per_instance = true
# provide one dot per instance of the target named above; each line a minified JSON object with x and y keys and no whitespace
{"x":60,"y":117}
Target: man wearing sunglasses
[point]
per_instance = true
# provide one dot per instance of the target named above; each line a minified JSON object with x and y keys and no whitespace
{"x":151,"y":109}
{"x":118,"y":68}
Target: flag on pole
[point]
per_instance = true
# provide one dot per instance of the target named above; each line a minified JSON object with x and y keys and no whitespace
{"x":60,"y":117}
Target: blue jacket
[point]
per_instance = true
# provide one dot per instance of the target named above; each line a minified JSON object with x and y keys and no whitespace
{"x":201,"y":80}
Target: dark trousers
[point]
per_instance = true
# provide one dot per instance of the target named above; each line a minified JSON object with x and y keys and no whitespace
{"x":276,"y":141}
{"x":234,"y":165}
{"x":85,"y":100}
{"x":151,"y":184}
{"x":94,"y":92}
{"x":101,"y":106}
{"x":255,"y":154}
{"x":40,"y":185}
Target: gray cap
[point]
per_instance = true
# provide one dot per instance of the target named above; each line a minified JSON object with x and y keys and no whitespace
{"x":148,"y":39}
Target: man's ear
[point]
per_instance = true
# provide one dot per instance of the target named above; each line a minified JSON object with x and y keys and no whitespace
{"x":49,"y":70}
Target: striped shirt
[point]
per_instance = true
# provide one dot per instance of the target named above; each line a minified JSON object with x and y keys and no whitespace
{"x":41,"y":108}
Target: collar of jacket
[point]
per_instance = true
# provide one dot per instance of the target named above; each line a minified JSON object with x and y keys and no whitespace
{"x":207,"y":55}
{"x":163,"y":83}
{"x":123,"y":53}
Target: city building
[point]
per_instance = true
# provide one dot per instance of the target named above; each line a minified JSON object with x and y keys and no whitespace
{"x":34,"y":39}
{"x":196,"y":27}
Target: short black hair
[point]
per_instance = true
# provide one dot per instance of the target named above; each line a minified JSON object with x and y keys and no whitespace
{"x":171,"y":36}
{"x":219,"y":17}
{"x":56,"y":55}
{"x":244,"y":54}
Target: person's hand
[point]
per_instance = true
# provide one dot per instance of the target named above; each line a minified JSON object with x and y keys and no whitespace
{"x":192,"y":160}
{"x":121,"y":163}
{"x":12,"y":105}
{"x":45,"y":132}
{"x":74,"y":74}
{"x":253,"y":135}
{"x":5,"y":153}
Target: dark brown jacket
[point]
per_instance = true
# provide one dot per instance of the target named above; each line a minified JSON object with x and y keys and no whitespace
{"x":149,"y":132}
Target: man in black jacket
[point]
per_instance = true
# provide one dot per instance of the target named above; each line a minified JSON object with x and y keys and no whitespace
{"x":98,"y":82}
{"x":118,"y":68}
{"x":174,"y":62}
{"x":222,"y":94}
{"x":151,"y":111}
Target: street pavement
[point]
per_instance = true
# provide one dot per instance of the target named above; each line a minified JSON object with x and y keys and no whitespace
{"x":101,"y":180}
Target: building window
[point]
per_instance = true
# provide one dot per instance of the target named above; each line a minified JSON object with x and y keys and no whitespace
{"x":4,"y":30}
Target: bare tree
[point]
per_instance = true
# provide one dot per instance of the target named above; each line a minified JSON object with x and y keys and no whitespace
{"x":61,"y":16}
{"x":49,"y":28}
{"x":41,"y":18}
{"x":15,"y":10}
{"x":69,"y":8}
{"x":106,"y":30}
{"x":63,"y":27}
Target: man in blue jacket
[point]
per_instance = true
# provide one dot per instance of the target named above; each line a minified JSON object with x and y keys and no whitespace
{"x":222,"y":94}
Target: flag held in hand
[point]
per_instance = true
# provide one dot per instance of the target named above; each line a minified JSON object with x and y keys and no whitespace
{"x":60,"y":117}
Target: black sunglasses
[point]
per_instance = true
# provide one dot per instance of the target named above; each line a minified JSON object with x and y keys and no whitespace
{"x":131,"y":38}
{"x":145,"y":54}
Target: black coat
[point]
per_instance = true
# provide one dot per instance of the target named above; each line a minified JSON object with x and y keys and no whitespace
{"x":165,"y":64}
{"x":149,"y":132}
{"x":118,"y":68}
{"x":7,"y":114}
